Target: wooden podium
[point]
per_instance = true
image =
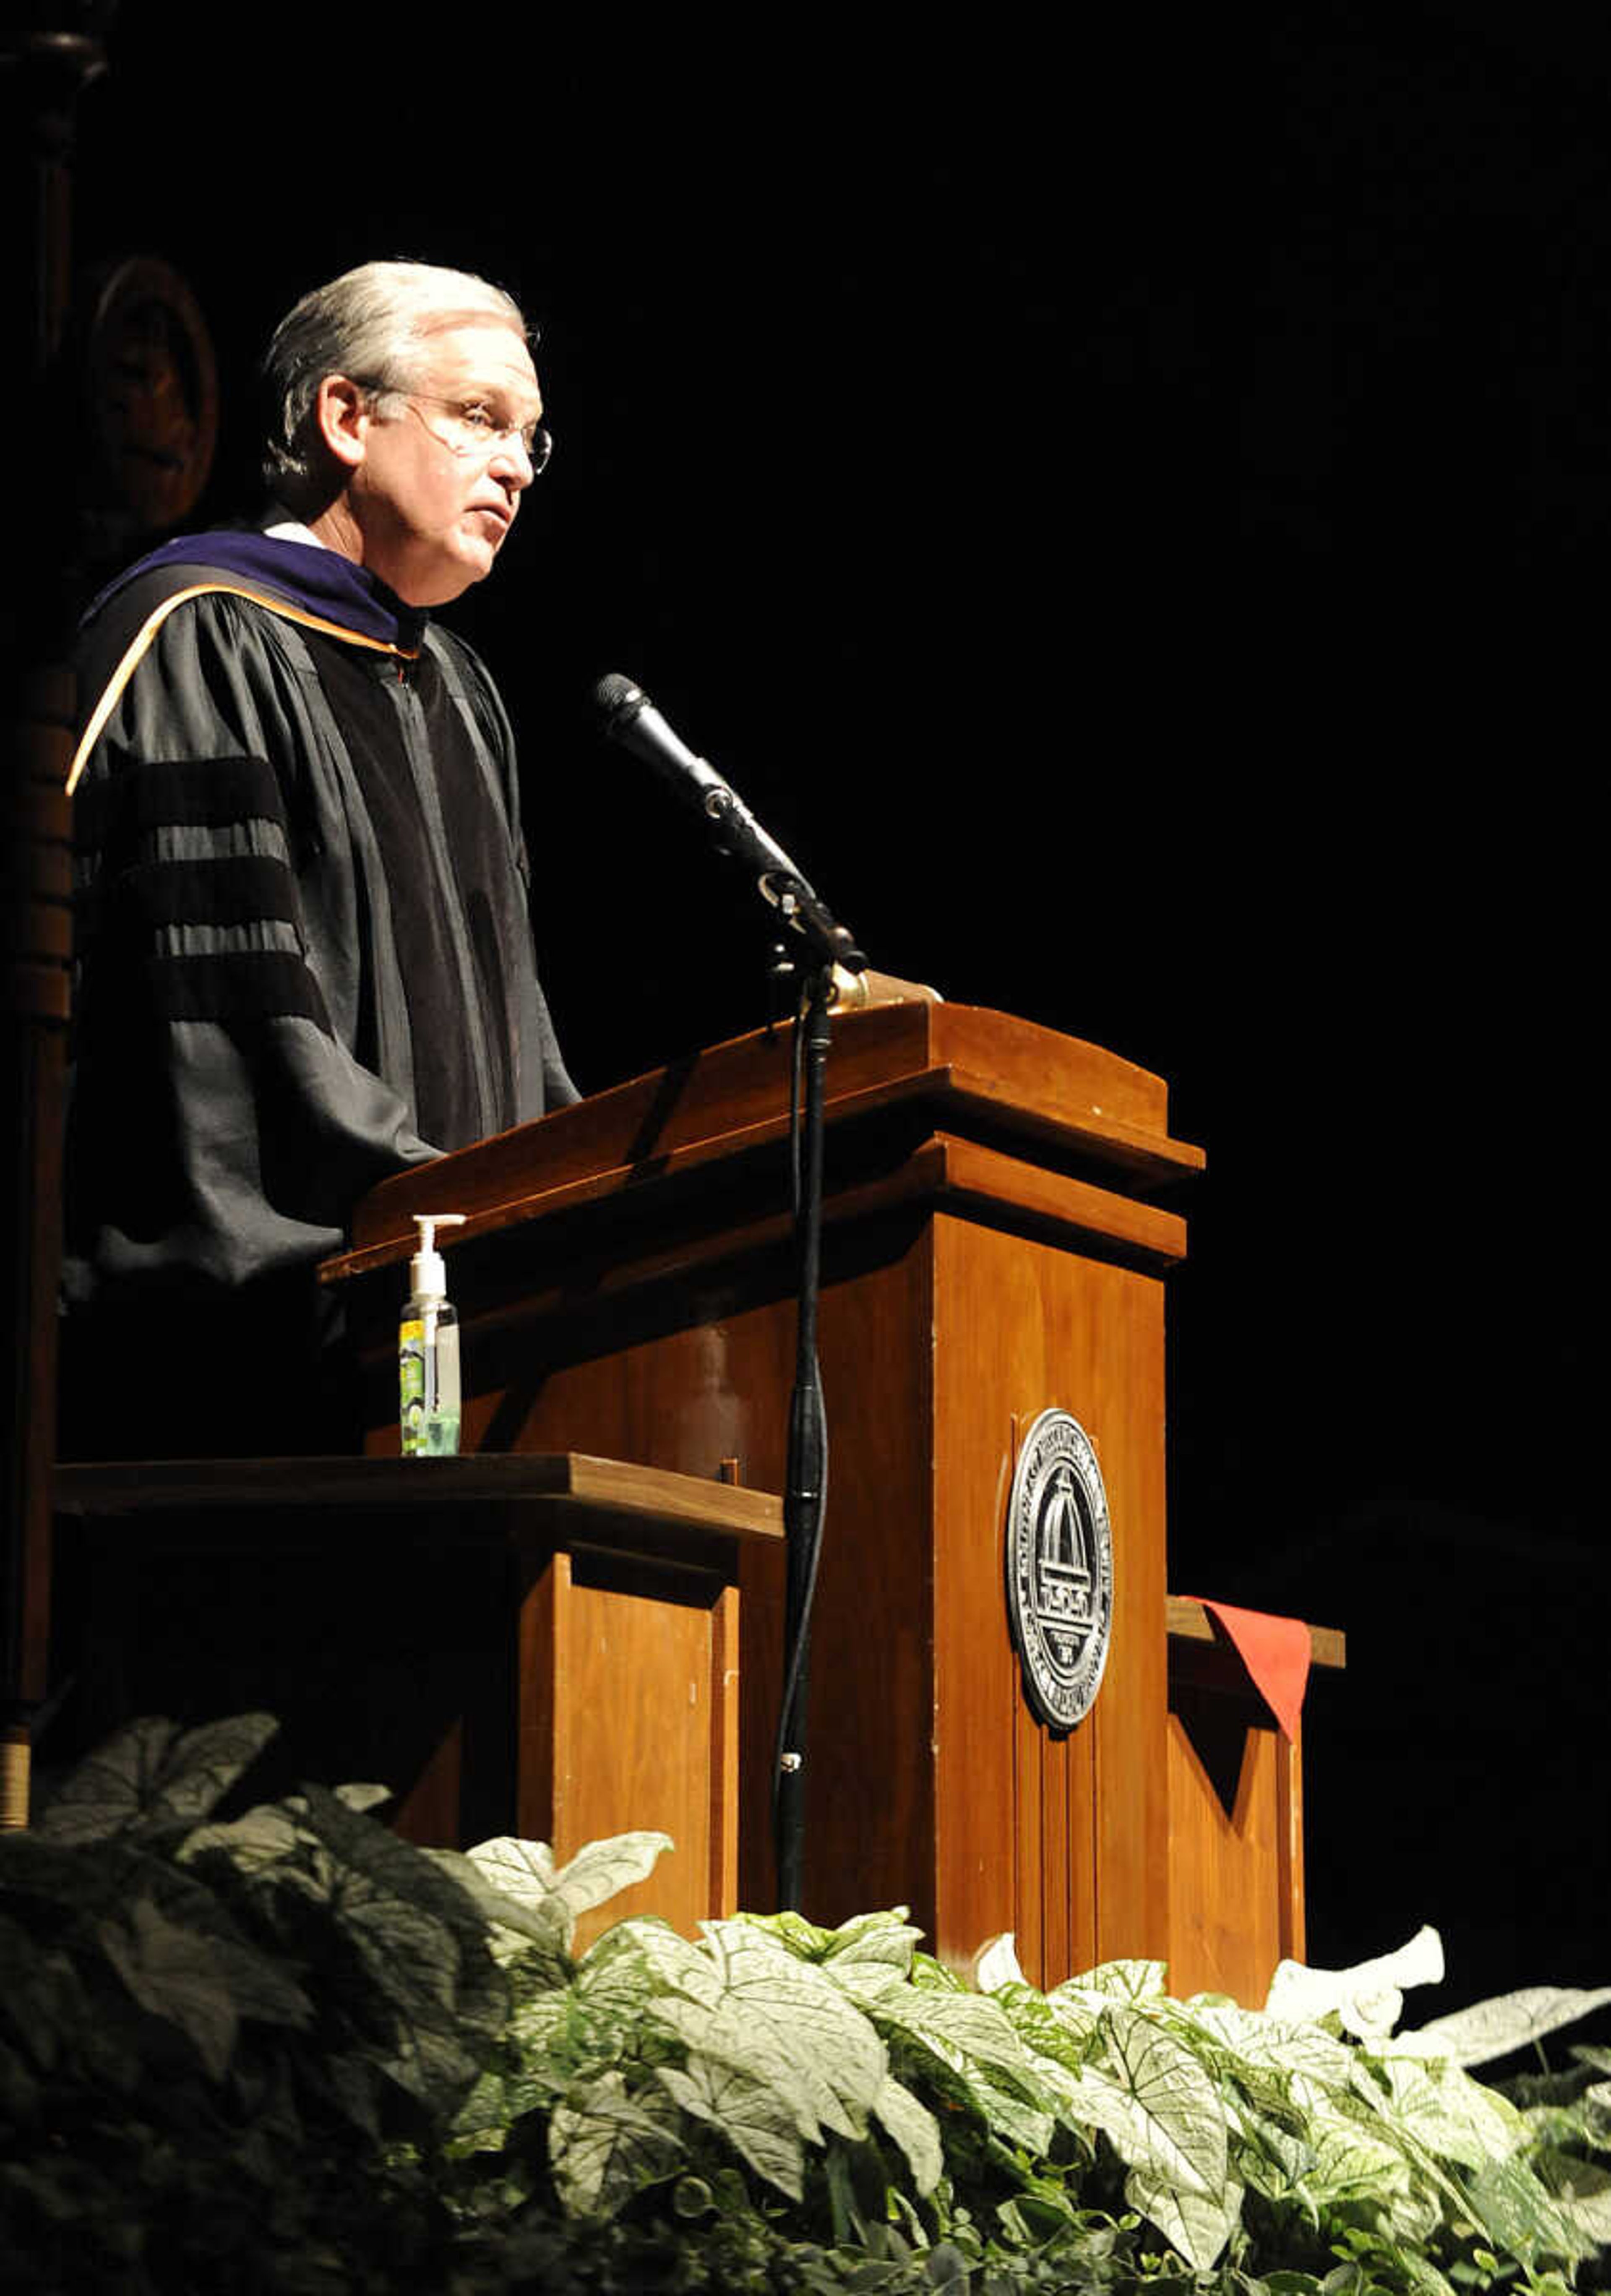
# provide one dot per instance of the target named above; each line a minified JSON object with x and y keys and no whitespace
{"x":542,"y":1644}
{"x":991,"y":1248}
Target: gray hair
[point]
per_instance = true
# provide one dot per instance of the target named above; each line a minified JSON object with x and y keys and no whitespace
{"x":372,"y":325}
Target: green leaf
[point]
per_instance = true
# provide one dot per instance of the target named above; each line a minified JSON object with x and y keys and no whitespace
{"x":1582,"y":2191}
{"x":1060,"y":2032}
{"x":604,"y":2145}
{"x":1517,"y":2214}
{"x":203,"y":1985}
{"x":883,"y":1936}
{"x":151,"y":1774}
{"x":804,"y":1939}
{"x":1421,"y":2274}
{"x":1493,"y":2028}
{"x":946,"y":2270}
{"x":434,"y":1992}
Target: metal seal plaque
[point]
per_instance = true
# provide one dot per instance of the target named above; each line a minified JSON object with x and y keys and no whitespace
{"x":1059,"y":1569}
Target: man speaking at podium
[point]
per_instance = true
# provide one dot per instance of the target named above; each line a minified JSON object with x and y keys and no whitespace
{"x":305,"y":957}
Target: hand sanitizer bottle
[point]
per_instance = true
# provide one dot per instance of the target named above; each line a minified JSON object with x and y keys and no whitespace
{"x":428,"y":1372}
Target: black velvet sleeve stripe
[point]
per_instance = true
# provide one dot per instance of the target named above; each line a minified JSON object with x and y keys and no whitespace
{"x":160,"y":793}
{"x":245,"y":888}
{"x":242,"y":985}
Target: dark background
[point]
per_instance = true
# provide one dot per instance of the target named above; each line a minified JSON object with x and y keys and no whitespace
{"x":1128,"y":510}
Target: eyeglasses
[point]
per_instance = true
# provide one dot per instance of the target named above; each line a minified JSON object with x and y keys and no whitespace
{"x":468,"y":426}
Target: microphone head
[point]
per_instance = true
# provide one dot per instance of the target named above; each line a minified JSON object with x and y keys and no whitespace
{"x":619,"y":701}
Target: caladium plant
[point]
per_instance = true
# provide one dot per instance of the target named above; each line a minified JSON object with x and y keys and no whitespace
{"x":284,"y":2049}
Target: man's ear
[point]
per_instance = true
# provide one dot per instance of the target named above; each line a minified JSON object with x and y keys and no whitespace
{"x":341,"y":409}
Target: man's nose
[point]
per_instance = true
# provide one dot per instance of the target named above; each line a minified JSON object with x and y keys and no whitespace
{"x":512,"y":462}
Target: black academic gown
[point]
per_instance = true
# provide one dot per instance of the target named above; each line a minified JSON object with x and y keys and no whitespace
{"x":305,"y":961}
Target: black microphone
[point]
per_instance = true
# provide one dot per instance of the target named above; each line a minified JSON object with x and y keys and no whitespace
{"x":631,"y":718}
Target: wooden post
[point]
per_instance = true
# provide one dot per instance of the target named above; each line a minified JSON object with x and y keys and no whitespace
{"x":45,"y":69}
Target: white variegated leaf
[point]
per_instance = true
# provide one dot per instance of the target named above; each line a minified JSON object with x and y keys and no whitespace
{"x":511,"y":1883}
{"x":1272,"y":2161}
{"x":886,"y":1939}
{"x":1251,"y":2037}
{"x":1158,"y":2105}
{"x":968,"y":2031}
{"x":601,"y":1870}
{"x":785,"y":2022}
{"x":1350,"y":2160}
{"x":1028,"y":2127}
{"x":264,"y":1837}
{"x":604,"y":2146}
{"x":646,"y":1955}
{"x":1516,"y":2214}
{"x":1125,"y":1980}
{"x":996,"y":1963}
{"x":1197,"y":2225}
{"x":915,"y":2130}
{"x":536,"y":2022}
{"x":543,"y":1900}
{"x":1414,"y":2214}
{"x":750,"y":2113}
{"x":1449,"y":2113}
{"x":1079,"y":2012}
{"x":1513,"y":2020}
{"x":1582,"y":2193}
{"x":1365,"y":1997}
{"x":360,"y":1797}
{"x":521,"y":1870}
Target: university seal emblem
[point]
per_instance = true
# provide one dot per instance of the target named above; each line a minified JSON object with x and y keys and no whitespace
{"x":1059,"y":1569}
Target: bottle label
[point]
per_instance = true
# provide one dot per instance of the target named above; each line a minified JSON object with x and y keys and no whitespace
{"x":428,"y":1385}
{"x":410,"y":1386}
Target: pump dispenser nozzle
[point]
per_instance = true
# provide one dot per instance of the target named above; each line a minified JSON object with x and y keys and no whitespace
{"x":427,"y":1276}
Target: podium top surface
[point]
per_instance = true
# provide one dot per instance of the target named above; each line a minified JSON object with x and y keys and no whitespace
{"x":968,"y":1071}
{"x":571,"y":1479}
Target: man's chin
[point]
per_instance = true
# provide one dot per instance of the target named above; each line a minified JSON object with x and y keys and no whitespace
{"x":442,"y":584}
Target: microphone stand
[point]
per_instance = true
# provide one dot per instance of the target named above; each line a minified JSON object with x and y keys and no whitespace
{"x":631,"y":718}
{"x":805,"y":1492}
